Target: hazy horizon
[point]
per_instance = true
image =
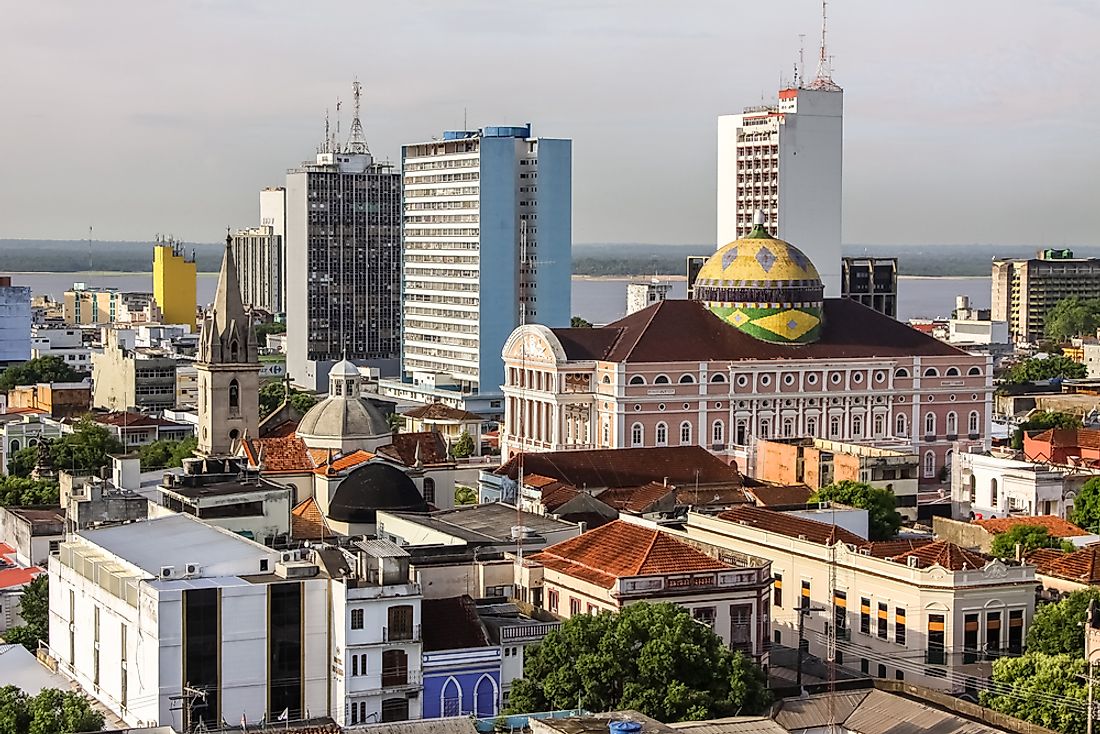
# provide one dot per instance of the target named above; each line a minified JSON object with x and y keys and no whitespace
{"x":964,"y":123}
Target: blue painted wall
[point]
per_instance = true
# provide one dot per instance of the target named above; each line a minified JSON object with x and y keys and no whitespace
{"x":553,"y":288}
{"x":468,"y":691}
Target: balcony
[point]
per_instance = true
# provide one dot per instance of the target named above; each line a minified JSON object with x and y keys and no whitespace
{"x":527,"y":632}
{"x":376,"y":682}
{"x":401,"y":634}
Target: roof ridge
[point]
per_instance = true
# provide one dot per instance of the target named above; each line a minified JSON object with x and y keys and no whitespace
{"x":648,"y":550}
{"x":641,"y":332}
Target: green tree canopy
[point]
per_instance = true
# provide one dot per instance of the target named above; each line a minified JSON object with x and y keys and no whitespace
{"x":165,"y":454}
{"x":269,"y":327}
{"x":273,"y":392}
{"x":50,"y":712}
{"x":1057,"y":628}
{"x":34,"y":607}
{"x":1045,"y":368}
{"x":1029,"y":537}
{"x":883,"y":519}
{"x":579,"y":322}
{"x":1073,"y":317}
{"x":646,"y":657}
{"x":465,"y":495}
{"x":1040,"y":688}
{"x":464,"y":446}
{"x":1041,"y":421}
{"x":40,"y":369}
{"x":86,"y":449}
{"x":1086,"y":507}
{"x":18,"y":491}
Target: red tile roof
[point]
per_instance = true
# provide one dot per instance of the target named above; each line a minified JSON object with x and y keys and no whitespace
{"x":11,"y":574}
{"x":25,"y":411}
{"x":612,"y":468}
{"x":281,"y":430}
{"x":132,"y":420}
{"x":1082,"y":565}
{"x":711,"y":497}
{"x":439,"y":411}
{"x":946,"y":555}
{"x":307,"y":522}
{"x":636,"y":499}
{"x":1056,"y":526}
{"x":893,"y":548}
{"x":281,"y":455}
{"x":791,"y":525}
{"x":1069,"y":437}
{"x":344,"y":462}
{"x":557,"y":494}
{"x":621,"y":549}
{"x":403,"y":448}
{"x":685,"y":331}
{"x":776,"y":495}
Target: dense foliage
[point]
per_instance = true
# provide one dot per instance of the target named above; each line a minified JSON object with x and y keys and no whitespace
{"x":465,"y":495}
{"x":1040,"y":688}
{"x":579,"y":322}
{"x":646,"y":657}
{"x":272,"y":395}
{"x":165,"y":454}
{"x":1073,"y":317}
{"x":85,"y":450}
{"x":1057,"y":628}
{"x":1041,"y":421}
{"x":883,"y":518}
{"x":1029,"y":537}
{"x":268,"y":327}
{"x":40,"y":369}
{"x":464,"y":446}
{"x":1045,"y":368}
{"x":34,"y":607}
{"x":50,"y":712}
{"x":21,"y":491}
{"x":1086,"y":507}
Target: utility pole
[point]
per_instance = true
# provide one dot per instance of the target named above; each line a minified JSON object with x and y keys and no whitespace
{"x":187,"y":698}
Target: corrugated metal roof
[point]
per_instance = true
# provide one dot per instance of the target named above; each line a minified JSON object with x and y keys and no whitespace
{"x":382,"y":549}
{"x":806,"y":713}
{"x":883,"y":713}
{"x":731,"y":725}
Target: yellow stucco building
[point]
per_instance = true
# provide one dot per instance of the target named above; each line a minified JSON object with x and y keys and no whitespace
{"x":174,"y":282}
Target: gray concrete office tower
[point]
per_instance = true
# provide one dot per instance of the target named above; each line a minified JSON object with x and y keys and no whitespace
{"x":343,"y":263}
{"x":261,"y":269}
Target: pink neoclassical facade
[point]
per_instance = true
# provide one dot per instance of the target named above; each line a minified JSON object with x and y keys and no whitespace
{"x":675,"y":374}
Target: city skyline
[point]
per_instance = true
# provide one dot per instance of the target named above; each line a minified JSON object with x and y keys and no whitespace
{"x":213,"y":113}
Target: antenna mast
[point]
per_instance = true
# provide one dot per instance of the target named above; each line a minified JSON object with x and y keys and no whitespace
{"x":824,"y":81}
{"x":89,"y":248}
{"x":357,"y":141}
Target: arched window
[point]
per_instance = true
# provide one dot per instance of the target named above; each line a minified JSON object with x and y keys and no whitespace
{"x":972,"y":423}
{"x":765,"y":428}
{"x":15,"y":446}
{"x":662,"y":434}
{"x":857,"y":426}
{"x":637,"y":434}
{"x":901,"y":428}
{"x":929,"y":464}
{"x":993,"y":494}
{"x":661,"y":380}
{"x":972,"y":489}
{"x":952,"y":424}
{"x":637,"y":380}
{"x":606,"y":434}
{"x":788,"y":427}
{"x":606,"y":379}
{"x":930,"y":424}
{"x":952,"y":372}
{"x":901,"y":372}
{"x":834,"y":427}
{"x":931,"y":372}
{"x":742,"y":431}
{"x":686,"y":379}
{"x":485,"y":697}
{"x":234,"y":395}
{"x":718,"y":432}
{"x":974,"y":372}
{"x":717,"y":377}
{"x":879,"y":425}
{"x":450,"y":698}
{"x":685,"y":434}
{"x":811,"y":426}
{"x":233,"y":351}
{"x":429,"y":490}
{"x":395,"y":668}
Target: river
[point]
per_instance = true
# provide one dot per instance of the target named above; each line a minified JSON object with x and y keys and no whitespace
{"x":599,"y":300}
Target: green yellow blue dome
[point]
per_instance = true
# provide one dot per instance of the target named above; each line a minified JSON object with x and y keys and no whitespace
{"x":765,"y":287}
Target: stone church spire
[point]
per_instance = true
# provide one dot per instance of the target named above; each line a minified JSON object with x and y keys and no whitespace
{"x":227,"y":335}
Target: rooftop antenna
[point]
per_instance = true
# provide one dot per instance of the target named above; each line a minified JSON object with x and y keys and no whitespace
{"x":357,"y":141}
{"x":337,"y":137}
{"x":800,"y":75}
{"x":824,"y":80}
{"x":89,"y":248}
{"x":465,"y":126}
{"x":325,"y":148}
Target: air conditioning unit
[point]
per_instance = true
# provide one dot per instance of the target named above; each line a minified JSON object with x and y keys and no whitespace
{"x":167,"y":572}
{"x":288,"y":556}
{"x":193,"y":569}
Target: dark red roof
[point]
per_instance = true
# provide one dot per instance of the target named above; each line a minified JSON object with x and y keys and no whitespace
{"x":791,"y":525}
{"x":776,"y":495}
{"x":685,"y":331}
{"x":439,"y":411}
{"x":635,"y":499}
{"x":403,"y":448}
{"x":1082,"y":565}
{"x":627,"y":467}
{"x":945,"y":554}
{"x":451,"y":624}
{"x":133,"y":420}
{"x":1056,"y":526}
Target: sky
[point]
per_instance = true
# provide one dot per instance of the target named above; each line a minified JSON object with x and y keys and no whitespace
{"x":966,"y":121}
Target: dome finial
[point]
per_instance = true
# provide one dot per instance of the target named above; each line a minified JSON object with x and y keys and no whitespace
{"x":759,"y":231}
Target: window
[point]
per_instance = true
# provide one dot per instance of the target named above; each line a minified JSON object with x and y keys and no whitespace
{"x":395,"y":709}
{"x":935,"y":654}
{"x":811,"y":426}
{"x":395,"y":668}
{"x":865,"y":615}
{"x":931,"y":372}
{"x":355,"y":665}
{"x":574,"y":606}
{"x":992,"y":633}
{"x":686,"y":379}
{"x":662,"y":434}
{"x":929,"y":424}
{"x":970,"y":638}
{"x":834,"y":427}
{"x":881,"y":670}
{"x":717,"y":377}
{"x":929,"y":464}
{"x":718,"y":432}
{"x":805,"y":598}
{"x":952,"y":372}
{"x":952,"y":424}
{"x":429,"y":490}
{"x":685,"y":433}
{"x":452,"y":696}
{"x":879,"y":425}
{"x":864,"y":666}
{"x":857,"y":426}
{"x":899,"y":625}
{"x":777,"y":589}
{"x":234,"y":395}
{"x":974,"y":372}
{"x":742,"y":431}
{"x":993,"y":494}
{"x":972,"y":423}
{"x":788,"y":427}
{"x":1016,"y":631}
{"x":900,"y":427}
{"x":765,"y":428}
{"x":901,"y":372}
{"x":840,"y":610}
{"x":636,"y":434}
{"x":233,"y":351}
{"x":552,"y":600}
{"x":637,"y":380}
{"x":705,"y":615}
{"x":357,"y":619}
{"x":400,"y":621}
{"x":661,"y":380}
{"x":883,"y":613}
{"x":899,"y":674}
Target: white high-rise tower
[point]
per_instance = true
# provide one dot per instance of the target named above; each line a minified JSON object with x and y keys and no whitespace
{"x":786,"y":158}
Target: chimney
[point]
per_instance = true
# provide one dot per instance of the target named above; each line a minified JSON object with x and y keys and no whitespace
{"x":1019,"y":552}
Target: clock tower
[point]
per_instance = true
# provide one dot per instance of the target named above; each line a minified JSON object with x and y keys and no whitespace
{"x":229,"y":369}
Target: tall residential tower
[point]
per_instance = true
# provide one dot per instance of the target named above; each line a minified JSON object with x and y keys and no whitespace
{"x":488,"y":242}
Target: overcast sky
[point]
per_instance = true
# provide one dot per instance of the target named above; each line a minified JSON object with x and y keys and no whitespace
{"x":965,"y":120}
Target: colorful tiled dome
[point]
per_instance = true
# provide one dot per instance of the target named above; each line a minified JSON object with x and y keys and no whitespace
{"x":765,"y":287}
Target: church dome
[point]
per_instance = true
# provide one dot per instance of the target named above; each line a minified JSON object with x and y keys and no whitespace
{"x":342,"y":417}
{"x":764,"y":287}
{"x":374,"y":487}
{"x":344,"y":368}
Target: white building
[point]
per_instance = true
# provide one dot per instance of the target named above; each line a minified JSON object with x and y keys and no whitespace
{"x":139,"y":610}
{"x":975,"y":325}
{"x":786,"y":158}
{"x":487,"y":237}
{"x":261,"y":268}
{"x":15,"y":322}
{"x":64,"y":342}
{"x":641,"y":295}
{"x":986,"y":486}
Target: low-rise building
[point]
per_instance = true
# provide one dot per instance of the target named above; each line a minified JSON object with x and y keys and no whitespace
{"x":15,"y":322}
{"x":975,"y":326}
{"x":979,"y":533}
{"x":461,"y":665}
{"x":14,"y":576}
{"x":987,"y":486}
{"x":93,"y":305}
{"x":623,"y":563}
{"x":32,"y":532}
{"x":22,"y":428}
{"x":449,"y":422}
{"x":513,"y":632}
{"x":65,"y":343}
{"x":55,"y":399}
{"x":1061,"y":573}
{"x":925,"y":612}
{"x":138,"y":429}
{"x":132,"y":379}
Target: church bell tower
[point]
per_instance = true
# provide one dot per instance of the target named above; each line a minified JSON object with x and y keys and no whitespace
{"x":229,"y":369}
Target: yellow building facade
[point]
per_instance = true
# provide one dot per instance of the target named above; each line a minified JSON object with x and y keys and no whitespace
{"x":174,"y":283}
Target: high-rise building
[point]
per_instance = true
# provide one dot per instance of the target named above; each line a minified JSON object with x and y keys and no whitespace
{"x":343,"y":262}
{"x":174,"y":282}
{"x":641,"y":294}
{"x":261,"y":269}
{"x":15,"y":322}
{"x":1025,"y":290}
{"x":786,"y":158}
{"x":873,"y":281}
{"x":488,"y":242}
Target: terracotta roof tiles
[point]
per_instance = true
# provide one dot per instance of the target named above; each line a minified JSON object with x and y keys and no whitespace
{"x":791,"y":526}
{"x":946,"y":555}
{"x":1056,"y":526}
{"x":403,"y":448}
{"x":1082,"y":565}
{"x":610,"y":468}
{"x":635,"y":499}
{"x":439,"y":411}
{"x":775,"y":495}
{"x":452,"y":624}
{"x":344,"y":462}
{"x":281,"y":455}
{"x":307,"y":522}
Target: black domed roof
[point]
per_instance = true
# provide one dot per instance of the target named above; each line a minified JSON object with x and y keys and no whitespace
{"x":374,"y":487}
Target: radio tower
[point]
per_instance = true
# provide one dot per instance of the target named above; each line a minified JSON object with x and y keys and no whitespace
{"x":357,"y":141}
{"x":824,"y":80}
